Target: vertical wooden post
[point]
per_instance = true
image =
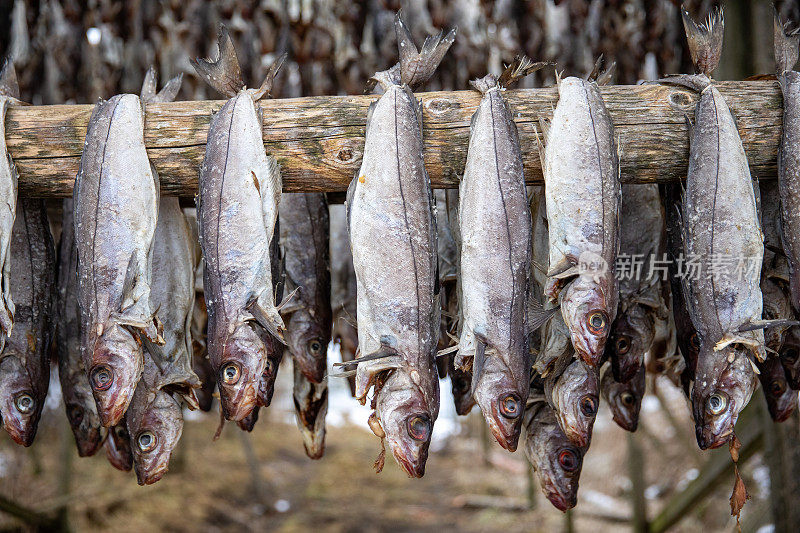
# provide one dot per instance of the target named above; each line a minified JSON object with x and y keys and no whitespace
{"x":636,"y":473}
{"x":66,"y":456}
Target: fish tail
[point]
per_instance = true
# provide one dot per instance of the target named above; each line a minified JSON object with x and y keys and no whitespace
{"x":8,"y":80}
{"x":223,"y":73}
{"x":166,"y":94}
{"x":266,"y":86}
{"x":417,"y":67}
{"x":786,"y":45}
{"x":705,"y":40}
{"x":601,"y":78}
{"x":518,"y":69}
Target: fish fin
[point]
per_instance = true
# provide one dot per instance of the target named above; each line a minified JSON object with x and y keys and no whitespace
{"x":520,"y":67}
{"x":478,"y":360}
{"x":343,"y":374}
{"x":538,"y":315}
{"x":129,"y":283}
{"x":266,"y":85}
{"x":417,"y":67}
{"x":446,"y":351}
{"x":705,"y":39}
{"x":786,"y":45}
{"x":763,"y":324}
{"x":384,"y":78}
{"x":8,"y":80}
{"x":563,"y":270}
{"x":605,"y":77}
{"x":170,"y":90}
{"x":348,"y":201}
{"x":152,"y":329}
{"x":222,"y":73}
{"x":287,"y":305}
{"x":148,"y":92}
{"x":601,"y":78}
{"x":267,"y":316}
{"x":386,"y":350}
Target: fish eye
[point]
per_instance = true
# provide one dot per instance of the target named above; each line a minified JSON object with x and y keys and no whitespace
{"x":623,"y":344}
{"x":146,"y":441}
{"x":588,"y":406}
{"x":628,"y":399}
{"x":716,"y":403}
{"x":694,"y":341}
{"x":75,"y":413}
{"x":510,"y":406}
{"x":568,"y":460}
{"x":419,"y":427}
{"x":790,"y":354}
{"x":101,"y":377}
{"x":24,"y":403}
{"x":596,"y":322}
{"x":121,"y":432}
{"x":777,"y":387}
{"x":231,"y":373}
{"x":268,"y":368}
{"x":461,"y":384}
{"x":315,"y":347}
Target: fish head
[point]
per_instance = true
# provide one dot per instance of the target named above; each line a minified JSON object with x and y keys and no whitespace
{"x":310,"y":406}
{"x":308,"y":340}
{"x":624,"y":398}
{"x":557,"y":462}
{"x":781,"y":399}
{"x":84,"y":421}
{"x":20,"y":405}
{"x":790,"y":357}
{"x":406,"y":419}
{"x":118,"y":447}
{"x":155,"y":428}
{"x":577,"y":395}
{"x":242,"y":362}
{"x":117,"y":366}
{"x":588,"y":316}
{"x":724,"y":382}
{"x":502,"y":400}
{"x":461,"y":386}
{"x":631,"y":336}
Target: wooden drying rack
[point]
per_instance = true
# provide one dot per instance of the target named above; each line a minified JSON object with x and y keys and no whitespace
{"x":319,"y":140}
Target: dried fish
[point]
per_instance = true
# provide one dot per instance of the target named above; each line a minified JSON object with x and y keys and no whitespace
{"x":624,"y":398}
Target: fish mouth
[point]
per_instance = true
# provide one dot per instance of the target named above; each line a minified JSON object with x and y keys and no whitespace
{"x":577,"y":436}
{"x":314,"y":445}
{"x":560,"y":502}
{"x":238,"y":406}
{"x":414,"y":469}
{"x":150,"y":477}
{"x":19,"y":433}
{"x":89,"y":443}
{"x":625,"y":422}
{"x":709,"y":441}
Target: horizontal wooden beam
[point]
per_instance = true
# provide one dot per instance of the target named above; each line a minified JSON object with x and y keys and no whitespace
{"x":319,"y":140}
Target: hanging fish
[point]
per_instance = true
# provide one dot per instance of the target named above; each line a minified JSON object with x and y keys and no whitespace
{"x":392,"y":228}
{"x":495,"y":231}
{"x":572,"y":390}
{"x":624,"y":398}
{"x":781,"y":399}
{"x":9,"y":93}
{"x":720,"y":220}
{"x":237,"y":208}
{"x":310,"y":407}
{"x":582,"y":189}
{"x":118,"y":447}
{"x":78,"y":398}
{"x":116,"y":199}
{"x":343,"y":289}
{"x":25,"y":358}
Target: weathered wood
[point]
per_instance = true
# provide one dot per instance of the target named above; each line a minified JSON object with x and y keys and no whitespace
{"x":319,"y":140}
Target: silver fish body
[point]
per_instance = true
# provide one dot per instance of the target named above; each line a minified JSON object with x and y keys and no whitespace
{"x":582,"y":190}
{"x":78,"y":398}
{"x":25,"y":359}
{"x":116,"y":209}
{"x":9,"y":91}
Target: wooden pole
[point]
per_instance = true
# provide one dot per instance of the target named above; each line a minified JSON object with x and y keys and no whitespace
{"x":319,"y":140}
{"x":638,"y":485}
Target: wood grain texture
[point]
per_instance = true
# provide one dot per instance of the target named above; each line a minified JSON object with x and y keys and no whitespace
{"x":318,"y":141}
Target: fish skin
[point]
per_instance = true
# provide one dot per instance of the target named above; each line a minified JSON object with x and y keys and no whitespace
{"x":786,"y":50}
{"x":343,"y":289}
{"x":583,"y":206}
{"x":153,"y":413}
{"x":720,"y":215}
{"x":392,"y":226}
{"x":118,"y":447}
{"x":310,"y":407}
{"x":25,"y":359}
{"x":78,"y":398}
{"x":574,"y":396}
{"x":172,"y":295}
{"x":200,"y":363}
{"x":495,"y":231}
{"x":9,"y":91}
{"x":624,"y":398}
{"x":114,"y":246}
{"x":237,"y":207}
{"x":305,"y":232}
{"x":686,"y":335}
{"x":781,"y":398}
{"x":546,"y":447}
